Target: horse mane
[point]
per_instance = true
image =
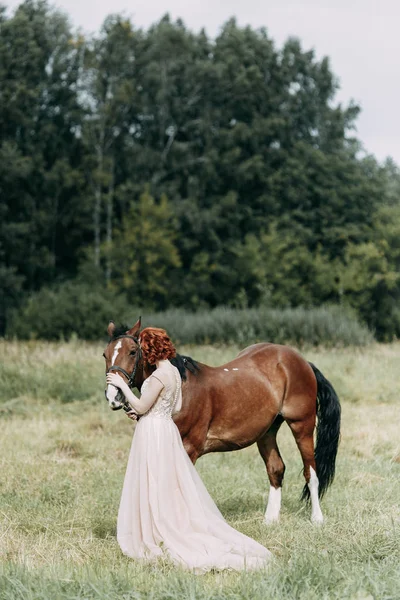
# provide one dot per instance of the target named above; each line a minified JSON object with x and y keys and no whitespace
{"x":185,"y":362}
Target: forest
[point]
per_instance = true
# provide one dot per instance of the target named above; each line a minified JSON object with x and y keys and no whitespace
{"x":164,"y":169}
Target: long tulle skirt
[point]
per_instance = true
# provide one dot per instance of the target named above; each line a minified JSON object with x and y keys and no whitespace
{"x":166,"y":509}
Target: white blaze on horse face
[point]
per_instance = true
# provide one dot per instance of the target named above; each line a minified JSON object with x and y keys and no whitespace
{"x":313,"y":484}
{"x":274,"y":505}
{"x":116,"y":349}
{"x":112,"y":391}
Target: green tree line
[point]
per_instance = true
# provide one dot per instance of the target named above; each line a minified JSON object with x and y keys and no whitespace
{"x":174,"y":170}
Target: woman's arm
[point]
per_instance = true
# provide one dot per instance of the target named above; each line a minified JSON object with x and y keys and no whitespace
{"x":140,"y":405}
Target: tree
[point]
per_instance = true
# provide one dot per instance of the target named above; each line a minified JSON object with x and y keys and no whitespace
{"x":144,"y":255}
{"x":271,"y":198}
{"x":109,"y":93}
{"x":39,"y":150}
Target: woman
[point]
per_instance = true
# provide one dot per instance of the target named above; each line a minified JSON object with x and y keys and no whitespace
{"x":165,"y":507}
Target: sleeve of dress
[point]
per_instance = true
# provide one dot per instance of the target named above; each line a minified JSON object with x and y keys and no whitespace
{"x":145,"y":402}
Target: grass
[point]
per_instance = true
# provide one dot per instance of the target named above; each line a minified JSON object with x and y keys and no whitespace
{"x":63,"y":456}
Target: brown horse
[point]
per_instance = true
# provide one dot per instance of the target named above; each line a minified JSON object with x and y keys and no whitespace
{"x":246,"y":401}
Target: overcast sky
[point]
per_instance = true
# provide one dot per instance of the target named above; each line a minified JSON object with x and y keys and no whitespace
{"x":361,"y":37}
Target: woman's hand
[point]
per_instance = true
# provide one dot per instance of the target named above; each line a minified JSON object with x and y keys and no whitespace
{"x":132,"y":415}
{"x":117,"y":381}
{"x":147,"y":399}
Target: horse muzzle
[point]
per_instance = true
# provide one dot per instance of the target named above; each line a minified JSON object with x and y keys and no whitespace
{"x":116,"y":402}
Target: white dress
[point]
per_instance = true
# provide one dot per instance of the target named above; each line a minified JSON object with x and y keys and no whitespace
{"x":165,"y":509}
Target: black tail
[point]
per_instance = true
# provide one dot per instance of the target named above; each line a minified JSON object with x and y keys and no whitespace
{"x":328,"y":433}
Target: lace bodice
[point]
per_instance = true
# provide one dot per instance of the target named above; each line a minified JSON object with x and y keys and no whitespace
{"x":164,"y":405}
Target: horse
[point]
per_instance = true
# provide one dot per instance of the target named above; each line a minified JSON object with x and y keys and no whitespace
{"x":243,"y":402}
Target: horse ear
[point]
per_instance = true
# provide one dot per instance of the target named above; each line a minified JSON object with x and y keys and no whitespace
{"x":136,"y":328}
{"x":111,"y":328}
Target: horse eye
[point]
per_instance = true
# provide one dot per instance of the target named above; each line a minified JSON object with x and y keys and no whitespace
{"x":133,"y":353}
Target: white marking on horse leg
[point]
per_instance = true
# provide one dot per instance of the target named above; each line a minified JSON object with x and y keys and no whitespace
{"x":117,"y":347}
{"x":274,"y":505}
{"x":313,"y":484}
{"x":226,"y":369}
{"x":235,"y":369}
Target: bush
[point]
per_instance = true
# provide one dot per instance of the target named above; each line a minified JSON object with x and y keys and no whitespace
{"x":70,"y":309}
{"x":328,"y":326}
{"x":82,"y":310}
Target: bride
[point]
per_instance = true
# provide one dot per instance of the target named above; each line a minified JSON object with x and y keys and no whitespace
{"x":165,"y":508}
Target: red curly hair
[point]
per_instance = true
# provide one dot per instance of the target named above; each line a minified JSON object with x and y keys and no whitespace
{"x":156,"y":345}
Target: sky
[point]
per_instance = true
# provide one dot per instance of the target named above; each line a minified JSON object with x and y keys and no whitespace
{"x":360,"y":37}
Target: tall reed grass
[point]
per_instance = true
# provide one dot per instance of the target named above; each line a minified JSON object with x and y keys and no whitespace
{"x":327,"y":326}
{"x":83,"y":313}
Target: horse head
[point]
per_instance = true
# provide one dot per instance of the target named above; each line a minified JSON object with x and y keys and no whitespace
{"x":123,"y":356}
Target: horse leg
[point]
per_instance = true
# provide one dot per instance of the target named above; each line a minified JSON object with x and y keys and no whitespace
{"x":269,"y":451}
{"x":303,"y":434}
{"x":192,"y":451}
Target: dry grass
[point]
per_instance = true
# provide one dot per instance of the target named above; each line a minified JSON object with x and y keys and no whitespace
{"x":62,"y":465}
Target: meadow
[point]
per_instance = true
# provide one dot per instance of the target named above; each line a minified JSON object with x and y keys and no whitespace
{"x":63,"y":455}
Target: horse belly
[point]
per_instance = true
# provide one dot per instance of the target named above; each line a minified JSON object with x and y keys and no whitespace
{"x":240,"y":424}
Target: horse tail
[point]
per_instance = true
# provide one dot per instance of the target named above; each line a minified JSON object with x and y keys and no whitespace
{"x":328,"y":433}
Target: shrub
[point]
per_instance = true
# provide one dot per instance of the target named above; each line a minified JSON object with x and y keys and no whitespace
{"x":81,"y":310}
{"x":329,"y":326}
{"x":70,"y":309}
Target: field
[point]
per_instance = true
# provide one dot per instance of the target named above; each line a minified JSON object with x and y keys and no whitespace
{"x":63,"y":455}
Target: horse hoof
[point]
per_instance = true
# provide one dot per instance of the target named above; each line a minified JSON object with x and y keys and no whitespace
{"x":271,"y":520}
{"x":317,"y":520}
